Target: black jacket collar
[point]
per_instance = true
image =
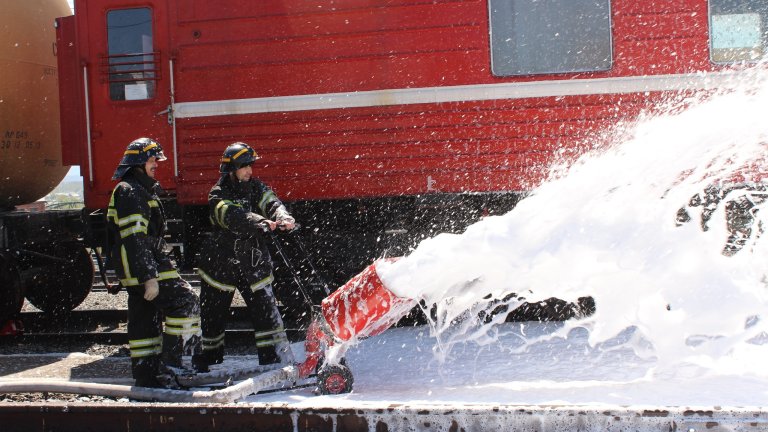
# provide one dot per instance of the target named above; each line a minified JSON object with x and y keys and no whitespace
{"x":142,"y":178}
{"x":238,"y":187}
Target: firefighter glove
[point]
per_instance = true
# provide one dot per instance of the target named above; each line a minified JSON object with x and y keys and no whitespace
{"x":267,"y":225}
{"x":151,"y":289}
{"x":286,"y":223}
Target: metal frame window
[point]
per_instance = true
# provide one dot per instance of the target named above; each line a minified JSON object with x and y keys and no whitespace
{"x":550,"y":36}
{"x":738,"y":30}
{"x":132,"y":65}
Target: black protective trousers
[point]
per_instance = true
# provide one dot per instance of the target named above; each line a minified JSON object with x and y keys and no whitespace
{"x":152,"y":345}
{"x":271,"y":340}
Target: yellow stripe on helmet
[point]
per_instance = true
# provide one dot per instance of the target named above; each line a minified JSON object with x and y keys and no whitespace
{"x":245,"y":150}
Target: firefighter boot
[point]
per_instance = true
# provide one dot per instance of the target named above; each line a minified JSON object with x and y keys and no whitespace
{"x":193,"y":346}
{"x":200,"y":365}
{"x":268,"y":355}
{"x":202,"y":360}
{"x":145,"y":371}
{"x":173,"y":347}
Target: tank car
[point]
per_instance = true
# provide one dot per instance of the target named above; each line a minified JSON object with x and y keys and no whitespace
{"x":30,"y":143}
{"x":41,"y":255}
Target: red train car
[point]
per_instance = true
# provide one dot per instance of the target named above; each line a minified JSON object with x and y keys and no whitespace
{"x":379,"y":121}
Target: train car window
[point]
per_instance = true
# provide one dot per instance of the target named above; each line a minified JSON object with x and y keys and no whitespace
{"x":738,"y":30}
{"x":552,"y":36}
{"x":131,"y":61}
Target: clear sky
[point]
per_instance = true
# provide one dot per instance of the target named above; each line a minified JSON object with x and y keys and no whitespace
{"x":73,"y":173}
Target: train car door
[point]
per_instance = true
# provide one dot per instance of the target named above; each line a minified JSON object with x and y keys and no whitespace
{"x":128,"y":82}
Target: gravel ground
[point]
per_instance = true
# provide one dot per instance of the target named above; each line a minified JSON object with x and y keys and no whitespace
{"x":100,"y":299}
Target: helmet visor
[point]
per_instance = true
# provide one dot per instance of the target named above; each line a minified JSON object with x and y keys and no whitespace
{"x":154,"y":149}
{"x":159,"y":155}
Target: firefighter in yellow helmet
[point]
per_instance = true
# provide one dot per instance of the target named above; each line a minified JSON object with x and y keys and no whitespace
{"x":241,"y":209}
{"x":136,"y":224}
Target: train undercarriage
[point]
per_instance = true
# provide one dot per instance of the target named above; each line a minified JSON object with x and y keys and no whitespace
{"x":43,"y":258}
{"x":50,"y":258}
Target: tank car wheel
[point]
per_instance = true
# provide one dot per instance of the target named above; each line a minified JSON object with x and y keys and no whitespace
{"x":57,"y":287}
{"x":11,"y":289}
{"x":334,"y":379}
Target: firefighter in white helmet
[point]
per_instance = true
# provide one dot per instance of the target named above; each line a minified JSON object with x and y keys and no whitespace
{"x":136,"y":222}
{"x":241,"y":210}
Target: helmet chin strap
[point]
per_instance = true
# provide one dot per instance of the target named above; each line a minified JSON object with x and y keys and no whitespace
{"x":234,"y":178}
{"x":142,"y":170}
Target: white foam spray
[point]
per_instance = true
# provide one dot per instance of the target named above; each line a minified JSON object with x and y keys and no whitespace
{"x":607,"y":229}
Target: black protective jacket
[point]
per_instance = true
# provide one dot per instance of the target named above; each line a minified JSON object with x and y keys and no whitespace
{"x":237,"y":253}
{"x":136,"y":223}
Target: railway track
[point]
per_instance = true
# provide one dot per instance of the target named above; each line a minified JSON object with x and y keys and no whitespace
{"x":102,"y":319}
{"x":109,"y":327}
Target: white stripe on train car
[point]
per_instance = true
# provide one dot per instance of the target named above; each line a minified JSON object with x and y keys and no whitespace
{"x":464,"y":93}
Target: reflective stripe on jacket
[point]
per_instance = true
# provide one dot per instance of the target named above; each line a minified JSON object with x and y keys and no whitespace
{"x":136,"y":223}
{"x":237,"y":253}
